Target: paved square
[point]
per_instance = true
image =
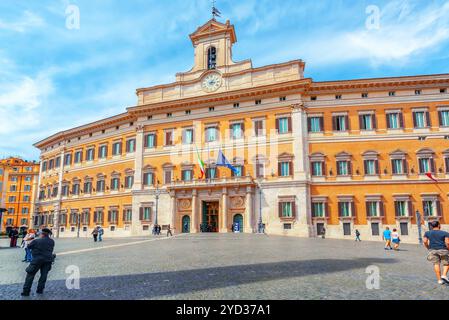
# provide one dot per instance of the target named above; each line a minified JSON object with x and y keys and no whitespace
{"x":228,"y":266}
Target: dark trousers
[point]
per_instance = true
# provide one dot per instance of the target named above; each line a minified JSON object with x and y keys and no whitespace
{"x":13,"y":242}
{"x":33,"y":268}
{"x":169,"y":233}
{"x":95,"y":237}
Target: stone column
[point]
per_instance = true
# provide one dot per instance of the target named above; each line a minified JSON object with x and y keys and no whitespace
{"x":173,"y":213}
{"x":249,"y":211}
{"x":59,"y":196}
{"x":300,"y":144}
{"x":224,"y":209}
{"x":194,"y":222}
{"x":138,"y":161}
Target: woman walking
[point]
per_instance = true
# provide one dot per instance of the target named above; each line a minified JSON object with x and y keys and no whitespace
{"x":395,"y":239}
{"x":95,"y":234}
{"x":26,"y":242}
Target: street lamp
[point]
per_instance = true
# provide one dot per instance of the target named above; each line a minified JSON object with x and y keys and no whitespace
{"x":157,"y":201}
{"x":1,"y":217}
{"x":79,"y":223}
{"x":418,"y":223}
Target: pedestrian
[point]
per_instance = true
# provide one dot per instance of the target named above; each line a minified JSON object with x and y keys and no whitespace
{"x":437,"y":242}
{"x":323,"y":233}
{"x":95,"y":234}
{"x":27,"y":240}
{"x":159,"y":229}
{"x":357,"y":235}
{"x":395,"y":239}
{"x":169,"y":231}
{"x":100,"y":233}
{"x":387,"y":238}
{"x":13,"y":235}
{"x":43,"y":257}
{"x":24,"y":233}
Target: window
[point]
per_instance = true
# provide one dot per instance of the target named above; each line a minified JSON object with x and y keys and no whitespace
{"x":365,"y":95}
{"x":98,"y":216}
{"x":236,"y":130}
{"x":76,"y":189}
{"x":372,"y":209}
{"x":150,"y":140}
{"x":258,"y":125}
{"x":131,"y":146}
{"x":78,"y":156}
{"x":51,"y":164}
{"x":28,"y":179}
{"x":239,"y":171}
{"x":169,"y":137}
{"x":417,"y":92}
{"x":260,"y":169}
{"x":398,"y":166}
{"x":187,"y":175}
{"x":367,"y":122}
{"x":103,"y":152}
{"x":347,"y":229}
{"x":65,"y":190}
{"x":115,"y":184}
{"x":402,"y":208}
{"x":129,"y":181}
{"x":113,"y":216}
{"x":13,"y":188}
{"x":169,"y":115}
{"x":237,"y":105}
{"x":392,"y":93}
{"x":90,"y":154}
{"x":27,"y":188}
{"x":404,"y":228}
{"x":187,"y":137}
{"x":318,"y":209}
{"x":44,"y":166}
{"x":26,"y":198}
{"x":24,"y":221}
{"x":443,"y":90}
{"x":428,"y":209}
{"x":285,"y":169}
{"x":344,"y":209}
{"x":286,"y":209}
{"x":211,"y":173}
{"x":426,"y":165}
{"x":211,"y":58}
{"x":284,"y":125}
{"x":315,"y":124}
{"x":375,"y":229}
{"x":338,"y":97}
{"x":101,"y":185}
{"x":421,"y":119}
{"x":395,"y":120}
{"x":340,"y":123}
{"x":88,"y":187}
{"x":282,"y":99}
{"x":127,"y":215}
{"x":313,"y":98}
{"x":258,"y":102}
{"x":371,"y":167}
{"x":145,"y":214}
{"x":117,"y":149}
{"x":343,"y":168}
{"x":148,"y":179}
{"x":446,"y":162}
{"x":12,"y":199}
{"x":57,"y":162}
{"x":68,"y":159}
{"x":188,"y":112}
{"x":431,"y":206}
{"x":444,"y":118}
{"x":167,"y":176}
{"x":317,"y":168}
{"x":211,"y":134}
{"x":211,"y":109}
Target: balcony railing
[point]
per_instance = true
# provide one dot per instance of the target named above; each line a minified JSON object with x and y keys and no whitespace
{"x":246,"y":180}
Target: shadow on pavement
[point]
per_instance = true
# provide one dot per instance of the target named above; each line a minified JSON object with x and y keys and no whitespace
{"x":154,"y":285}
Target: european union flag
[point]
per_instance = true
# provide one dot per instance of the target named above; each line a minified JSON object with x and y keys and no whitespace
{"x":223,"y":162}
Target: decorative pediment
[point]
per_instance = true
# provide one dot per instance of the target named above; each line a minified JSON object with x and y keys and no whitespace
{"x":425,"y":151}
{"x":343,"y":156}
{"x":214,"y":28}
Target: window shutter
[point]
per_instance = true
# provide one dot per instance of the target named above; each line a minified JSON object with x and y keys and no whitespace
{"x":367,"y":208}
{"x":290,"y":169}
{"x":381,"y":208}
{"x":393,"y":169}
{"x":439,"y":208}
{"x":334,"y":123}
{"x":155,"y":140}
{"x":120,"y":148}
{"x":432,"y":165}
{"x":429,"y":123}
{"x":141,"y":214}
{"x":405,"y":164}
{"x":374,"y":122}
{"x":321,"y":124}
{"x":440,"y":118}
{"x":414,"y":119}
{"x":294,"y":209}
{"x":339,"y":209}
{"x":350,"y":168}
{"x":277,"y":125}
{"x":323,"y":169}
{"x":401,"y":120}
{"x":124,"y":215}
{"x":377,"y":167}
{"x":388,"y":122}
{"x":279,"y":169}
{"x":280,"y":209}
{"x":145,"y":143}
{"x":365,"y":166}
{"x":326,"y":210}
{"x":446,"y":161}
{"x":243,"y":129}
{"x":410,"y":208}
{"x":361,"y":123}
{"x":347,"y":123}
{"x":421,"y":167}
{"x":289,"y":121}
{"x":309,"y":124}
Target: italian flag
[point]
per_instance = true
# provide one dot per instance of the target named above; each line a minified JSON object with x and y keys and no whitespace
{"x":200,"y":163}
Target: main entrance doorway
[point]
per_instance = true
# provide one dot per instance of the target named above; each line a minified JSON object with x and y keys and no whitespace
{"x":210,"y":216}
{"x":186,"y":224}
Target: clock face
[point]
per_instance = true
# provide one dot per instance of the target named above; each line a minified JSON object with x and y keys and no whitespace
{"x":211,"y":82}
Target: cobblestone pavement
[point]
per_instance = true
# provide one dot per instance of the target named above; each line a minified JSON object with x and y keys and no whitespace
{"x":228,"y":266}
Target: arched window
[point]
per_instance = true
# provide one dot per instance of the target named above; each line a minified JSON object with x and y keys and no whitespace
{"x":211,"y":58}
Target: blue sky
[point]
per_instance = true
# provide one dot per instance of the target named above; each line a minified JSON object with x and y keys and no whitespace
{"x":53,"y":78}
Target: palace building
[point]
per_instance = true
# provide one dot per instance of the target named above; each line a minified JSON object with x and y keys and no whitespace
{"x":18,"y":185}
{"x":340,"y":155}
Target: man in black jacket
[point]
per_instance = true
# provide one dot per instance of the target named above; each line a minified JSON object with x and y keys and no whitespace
{"x":42,"y":251}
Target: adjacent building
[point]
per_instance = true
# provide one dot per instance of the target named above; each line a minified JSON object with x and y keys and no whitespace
{"x":18,"y":185}
{"x":341,"y":155}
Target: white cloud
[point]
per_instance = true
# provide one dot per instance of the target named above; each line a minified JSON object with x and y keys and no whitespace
{"x":27,"y":21}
